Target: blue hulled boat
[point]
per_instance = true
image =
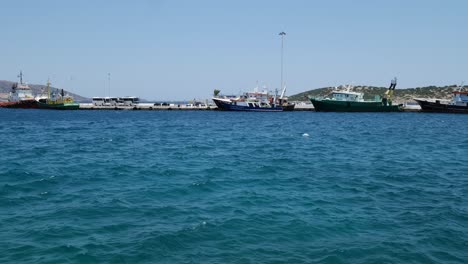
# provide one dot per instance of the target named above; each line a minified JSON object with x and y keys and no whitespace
{"x":254,"y":101}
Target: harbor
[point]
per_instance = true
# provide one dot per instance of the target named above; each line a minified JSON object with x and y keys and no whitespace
{"x":234,"y":132}
{"x":339,"y":99}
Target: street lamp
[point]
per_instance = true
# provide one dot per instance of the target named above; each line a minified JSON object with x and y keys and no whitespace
{"x":108,"y":82}
{"x":282,"y":34}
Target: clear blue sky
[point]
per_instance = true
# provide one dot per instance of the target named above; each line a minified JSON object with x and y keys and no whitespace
{"x":177,"y":50}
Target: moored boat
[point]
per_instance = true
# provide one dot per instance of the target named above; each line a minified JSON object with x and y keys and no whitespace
{"x":348,"y":101}
{"x":458,"y":104}
{"x":21,"y":96}
{"x":254,"y":101}
{"x":57,"y":101}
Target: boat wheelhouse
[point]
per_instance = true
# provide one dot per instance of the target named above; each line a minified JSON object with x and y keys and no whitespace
{"x":460,"y":98}
{"x":348,"y":96}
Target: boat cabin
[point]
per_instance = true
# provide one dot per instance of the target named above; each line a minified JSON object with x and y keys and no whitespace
{"x":348,"y":96}
{"x":20,"y":92}
{"x":460,"y":98}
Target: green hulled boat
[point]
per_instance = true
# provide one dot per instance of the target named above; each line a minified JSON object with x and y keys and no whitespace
{"x":330,"y":105}
{"x":349,"y":101}
{"x":57,"y":101}
{"x":58,"y":106}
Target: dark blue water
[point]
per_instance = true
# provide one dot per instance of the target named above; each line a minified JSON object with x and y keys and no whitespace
{"x":220,"y":187}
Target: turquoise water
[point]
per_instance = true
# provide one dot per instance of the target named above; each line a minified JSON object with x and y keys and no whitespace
{"x":223,"y":187}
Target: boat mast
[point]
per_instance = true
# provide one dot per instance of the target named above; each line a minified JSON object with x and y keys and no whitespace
{"x":283,"y":92}
{"x":276,"y":96}
{"x":48,"y":89}
{"x":393,"y":84}
{"x":21,"y":77}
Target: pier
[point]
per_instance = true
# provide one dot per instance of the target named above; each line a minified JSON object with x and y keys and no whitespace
{"x":176,"y":107}
{"x":145,"y":106}
{"x":300,"y":106}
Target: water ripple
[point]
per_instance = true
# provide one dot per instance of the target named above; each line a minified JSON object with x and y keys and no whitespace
{"x":217,"y":187}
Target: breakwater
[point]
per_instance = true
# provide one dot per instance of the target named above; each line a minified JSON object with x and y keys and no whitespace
{"x":183,"y":107}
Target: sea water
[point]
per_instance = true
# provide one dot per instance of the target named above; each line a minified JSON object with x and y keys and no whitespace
{"x":232,"y":187}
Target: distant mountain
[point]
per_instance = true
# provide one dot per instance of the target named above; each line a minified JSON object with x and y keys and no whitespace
{"x":400,"y":95}
{"x":5,"y":89}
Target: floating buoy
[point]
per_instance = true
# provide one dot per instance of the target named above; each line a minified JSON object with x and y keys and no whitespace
{"x":305,"y":135}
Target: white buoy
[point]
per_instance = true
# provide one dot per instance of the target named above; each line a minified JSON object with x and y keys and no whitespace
{"x":305,"y":135}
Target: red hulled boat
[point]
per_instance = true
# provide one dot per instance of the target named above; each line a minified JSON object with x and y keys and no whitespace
{"x":21,"y":96}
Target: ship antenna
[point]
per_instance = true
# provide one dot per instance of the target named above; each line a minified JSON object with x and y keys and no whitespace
{"x":21,"y":77}
{"x":461,"y":86}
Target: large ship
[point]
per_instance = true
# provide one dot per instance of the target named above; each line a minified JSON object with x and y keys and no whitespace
{"x":458,"y":104}
{"x":255,"y":101}
{"x":21,"y":96}
{"x":56,"y":101}
{"x":346,"y":100}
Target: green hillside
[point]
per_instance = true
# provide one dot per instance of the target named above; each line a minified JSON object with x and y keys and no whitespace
{"x":370,"y":92}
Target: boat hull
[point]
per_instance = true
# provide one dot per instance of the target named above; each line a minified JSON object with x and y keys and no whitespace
{"x":24,"y":104}
{"x":437,"y":107}
{"x":349,"y":106}
{"x":64,"y":106}
{"x":229,"y":106}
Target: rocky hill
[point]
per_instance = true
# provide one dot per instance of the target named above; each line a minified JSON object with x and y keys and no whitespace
{"x":400,"y":95}
{"x":5,"y":88}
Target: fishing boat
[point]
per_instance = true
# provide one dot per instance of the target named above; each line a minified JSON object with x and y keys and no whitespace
{"x":57,"y":101}
{"x":21,"y":96}
{"x":346,"y":100}
{"x":458,"y":104}
{"x":255,"y":101}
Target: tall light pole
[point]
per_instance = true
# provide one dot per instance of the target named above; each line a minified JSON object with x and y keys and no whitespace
{"x":282,"y":34}
{"x":108,"y":79}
